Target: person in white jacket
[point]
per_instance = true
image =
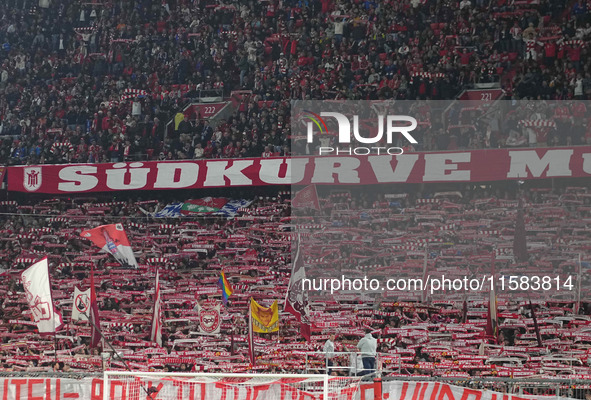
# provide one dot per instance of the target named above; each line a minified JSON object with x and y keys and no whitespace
{"x":328,"y":349}
{"x":368,"y":347}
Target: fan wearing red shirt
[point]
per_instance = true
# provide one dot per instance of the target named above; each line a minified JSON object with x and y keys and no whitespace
{"x":81,"y":150}
{"x":465,"y":56}
{"x":229,"y":150}
{"x":302,"y":61}
{"x":561,"y":112}
{"x":578,"y":109}
{"x":60,"y":113}
{"x":270,"y":10}
{"x":208,"y":150}
{"x":95,"y":123}
{"x":549,"y":53}
{"x":106,"y":123}
{"x":94,"y":152}
{"x":574,"y":55}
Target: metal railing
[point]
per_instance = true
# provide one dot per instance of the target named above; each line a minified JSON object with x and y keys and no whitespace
{"x":349,"y":362}
{"x":210,"y":95}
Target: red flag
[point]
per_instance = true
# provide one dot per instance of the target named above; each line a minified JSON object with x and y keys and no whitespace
{"x":306,"y":198}
{"x":112,"y":239}
{"x":536,"y":326}
{"x":465,"y":311}
{"x":519,"y":237}
{"x":250,"y":337}
{"x":305,"y":330}
{"x":296,"y":299}
{"x":156,"y":332}
{"x":492,"y":316}
{"x":95,"y":323}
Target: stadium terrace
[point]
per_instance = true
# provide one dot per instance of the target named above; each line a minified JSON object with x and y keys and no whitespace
{"x":162,"y":200}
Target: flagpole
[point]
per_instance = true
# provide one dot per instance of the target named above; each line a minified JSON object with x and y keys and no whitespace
{"x":250,"y":336}
{"x":103,"y":338}
{"x":492,"y":298}
{"x":156,"y":321}
{"x":115,"y":353}
{"x":54,"y":340}
{"x":251,"y":354}
{"x":578,"y":303}
{"x":54,"y":332}
{"x":423,"y":295}
{"x":53,"y":320}
{"x":93,"y":305}
{"x":535,"y":320}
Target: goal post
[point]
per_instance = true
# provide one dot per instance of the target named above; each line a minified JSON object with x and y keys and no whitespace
{"x":132,"y":385}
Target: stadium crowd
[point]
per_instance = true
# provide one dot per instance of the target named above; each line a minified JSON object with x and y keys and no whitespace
{"x":457,"y":233}
{"x":99,"y":82}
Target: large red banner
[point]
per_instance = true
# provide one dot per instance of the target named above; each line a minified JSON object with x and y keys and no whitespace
{"x":458,"y":166}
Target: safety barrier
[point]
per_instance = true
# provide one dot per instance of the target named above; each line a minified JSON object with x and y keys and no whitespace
{"x":34,"y":385}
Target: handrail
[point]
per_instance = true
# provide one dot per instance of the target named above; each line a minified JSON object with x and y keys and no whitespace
{"x":354,"y":367}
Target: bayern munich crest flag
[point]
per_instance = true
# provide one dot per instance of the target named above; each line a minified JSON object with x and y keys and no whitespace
{"x":210,"y":317}
{"x":112,"y":239}
{"x":35,"y":281}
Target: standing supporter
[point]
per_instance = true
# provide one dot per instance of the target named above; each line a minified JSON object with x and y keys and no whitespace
{"x":368,"y":348}
{"x":329,"y":349}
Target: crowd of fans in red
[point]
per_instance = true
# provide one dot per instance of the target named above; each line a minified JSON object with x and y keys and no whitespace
{"x":456,"y":233}
{"x":98,"y":82}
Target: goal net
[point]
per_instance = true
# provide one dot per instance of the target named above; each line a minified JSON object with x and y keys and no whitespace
{"x":137,"y":385}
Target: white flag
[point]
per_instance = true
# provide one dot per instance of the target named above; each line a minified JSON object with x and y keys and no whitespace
{"x":35,"y":280}
{"x":81,"y":305}
{"x":210,"y":319}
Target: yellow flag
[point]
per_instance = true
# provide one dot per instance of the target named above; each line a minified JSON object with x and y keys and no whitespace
{"x":177,"y":120}
{"x":264,"y":320}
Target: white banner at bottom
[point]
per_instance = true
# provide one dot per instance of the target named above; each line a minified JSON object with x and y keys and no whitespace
{"x":442,"y":391}
{"x":133,"y":388}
